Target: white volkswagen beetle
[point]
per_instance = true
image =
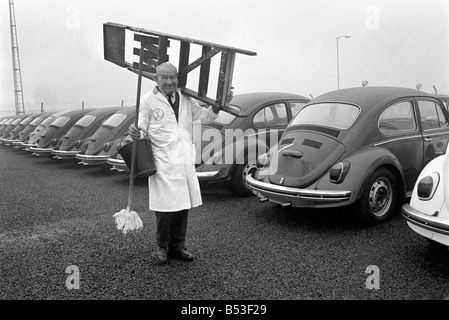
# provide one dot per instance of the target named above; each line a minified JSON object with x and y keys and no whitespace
{"x":428,"y":211}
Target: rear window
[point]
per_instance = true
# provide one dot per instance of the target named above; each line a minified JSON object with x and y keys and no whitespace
{"x":115,"y":120}
{"x":85,"y":121}
{"x":36,"y":121}
{"x":60,"y":122}
{"x":17,"y":121}
{"x":26,"y":121}
{"x":335,"y":115}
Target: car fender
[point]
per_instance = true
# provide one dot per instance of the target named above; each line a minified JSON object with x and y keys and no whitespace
{"x":363,"y":163}
{"x":249,"y":147}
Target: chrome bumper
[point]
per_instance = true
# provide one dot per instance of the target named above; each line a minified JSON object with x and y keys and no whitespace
{"x":117,"y":165}
{"x":425,"y":221}
{"x":62,"y":154}
{"x":91,"y":160}
{"x":40,"y":151}
{"x":209,"y":175}
{"x":289,"y":193}
{"x":8,"y":142}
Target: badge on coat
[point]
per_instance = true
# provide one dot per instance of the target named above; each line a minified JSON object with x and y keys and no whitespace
{"x":158,"y":114}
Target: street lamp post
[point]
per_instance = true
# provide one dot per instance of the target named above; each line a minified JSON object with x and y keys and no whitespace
{"x":338,"y":66}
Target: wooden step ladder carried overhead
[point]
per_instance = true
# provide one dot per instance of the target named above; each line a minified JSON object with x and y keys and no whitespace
{"x":155,"y":47}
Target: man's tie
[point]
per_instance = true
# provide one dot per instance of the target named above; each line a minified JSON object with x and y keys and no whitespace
{"x":170,"y":99}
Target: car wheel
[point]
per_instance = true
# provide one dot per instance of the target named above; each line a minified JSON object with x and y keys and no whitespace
{"x":239,"y":176}
{"x":379,"y":198}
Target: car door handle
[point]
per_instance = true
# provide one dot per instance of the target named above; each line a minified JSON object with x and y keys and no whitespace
{"x":427,"y":139}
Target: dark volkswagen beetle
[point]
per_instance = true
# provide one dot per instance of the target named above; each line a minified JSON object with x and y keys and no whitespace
{"x":103,"y":143}
{"x":14,"y":133}
{"x":50,"y":138}
{"x":73,"y":142}
{"x":364,"y":146}
{"x":24,"y":135}
{"x":11,"y":124}
{"x":35,"y":135}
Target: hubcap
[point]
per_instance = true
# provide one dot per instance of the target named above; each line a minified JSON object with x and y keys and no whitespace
{"x":380,"y":197}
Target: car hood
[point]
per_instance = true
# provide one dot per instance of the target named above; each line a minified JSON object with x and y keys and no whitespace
{"x":303,"y":157}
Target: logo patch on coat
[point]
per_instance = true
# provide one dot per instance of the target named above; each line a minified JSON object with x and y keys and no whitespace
{"x":158,"y":114}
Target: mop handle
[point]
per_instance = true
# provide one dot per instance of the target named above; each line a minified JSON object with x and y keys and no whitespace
{"x":136,"y":122}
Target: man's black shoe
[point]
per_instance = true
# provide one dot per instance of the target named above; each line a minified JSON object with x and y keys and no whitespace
{"x":181,"y":254}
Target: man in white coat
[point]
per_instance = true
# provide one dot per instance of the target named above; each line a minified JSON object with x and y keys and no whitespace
{"x":166,"y":116}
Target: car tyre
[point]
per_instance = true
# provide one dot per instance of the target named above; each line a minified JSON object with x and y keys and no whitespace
{"x":239,"y":176}
{"x":379,"y":198}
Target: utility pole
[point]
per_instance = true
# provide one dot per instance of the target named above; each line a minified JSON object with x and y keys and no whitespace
{"x":18,"y":91}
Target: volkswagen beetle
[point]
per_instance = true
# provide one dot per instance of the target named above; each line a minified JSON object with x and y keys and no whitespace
{"x":74,"y":141}
{"x":51,"y":137}
{"x":13,"y":135}
{"x":35,"y":135}
{"x":428,"y":211}
{"x":363,"y":147}
{"x":103,"y":143}
{"x":24,"y":135}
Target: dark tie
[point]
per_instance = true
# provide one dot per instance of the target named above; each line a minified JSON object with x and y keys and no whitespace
{"x":173,"y":104}
{"x":170,"y":99}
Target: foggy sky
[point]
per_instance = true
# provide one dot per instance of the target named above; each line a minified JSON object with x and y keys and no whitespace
{"x":398,"y":43}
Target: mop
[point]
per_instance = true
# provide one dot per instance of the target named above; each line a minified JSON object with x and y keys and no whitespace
{"x":128,"y":220}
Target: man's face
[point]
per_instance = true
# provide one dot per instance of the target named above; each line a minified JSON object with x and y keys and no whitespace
{"x":167,"y":80}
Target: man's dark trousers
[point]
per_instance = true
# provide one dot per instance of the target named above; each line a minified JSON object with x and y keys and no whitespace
{"x":171,"y":228}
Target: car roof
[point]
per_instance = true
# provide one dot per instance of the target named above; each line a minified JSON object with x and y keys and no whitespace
{"x":366,"y":97}
{"x":248,"y":101}
{"x":441,"y":95}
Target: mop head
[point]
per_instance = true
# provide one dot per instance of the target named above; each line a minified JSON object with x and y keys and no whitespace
{"x":127,"y":220}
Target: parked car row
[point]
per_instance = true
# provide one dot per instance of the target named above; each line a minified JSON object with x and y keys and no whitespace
{"x":369,"y":148}
{"x":254,"y":121}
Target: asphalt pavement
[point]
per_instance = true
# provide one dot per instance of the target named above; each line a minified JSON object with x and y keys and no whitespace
{"x":58,"y":241}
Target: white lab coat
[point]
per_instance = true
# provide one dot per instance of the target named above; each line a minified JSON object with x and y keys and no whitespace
{"x":174,"y":186}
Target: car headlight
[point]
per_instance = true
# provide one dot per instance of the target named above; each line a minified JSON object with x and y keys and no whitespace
{"x":427,"y":186}
{"x":78,"y":143}
{"x":339,"y":171}
{"x":263,"y":160}
{"x":107,"y":146}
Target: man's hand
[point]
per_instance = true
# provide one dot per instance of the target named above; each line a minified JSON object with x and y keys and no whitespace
{"x":230,"y":96}
{"x":134,"y":132}
{"x":228,"y":100}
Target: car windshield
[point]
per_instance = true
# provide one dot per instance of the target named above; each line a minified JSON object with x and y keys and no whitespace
{"x":335,"y":115}
{"x":85,"y":121}
{"x":115,"y":120}
{"x":60,"y":122}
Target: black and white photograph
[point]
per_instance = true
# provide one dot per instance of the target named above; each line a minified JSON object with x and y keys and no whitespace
{"x":222,"y":158}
